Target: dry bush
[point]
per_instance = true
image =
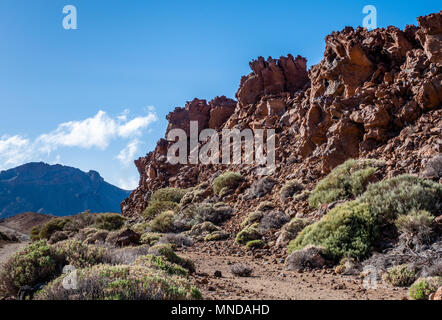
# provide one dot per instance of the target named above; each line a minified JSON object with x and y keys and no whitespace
{"x":241,"y":270}
{"x":176,"y":240}
{"x":260,"y":188}
{"x":289,"y":189}
{"x":311,"y":257}
{"x":122,"y":282}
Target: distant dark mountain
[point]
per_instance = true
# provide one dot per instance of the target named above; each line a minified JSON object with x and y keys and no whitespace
{"x":57,"y":190}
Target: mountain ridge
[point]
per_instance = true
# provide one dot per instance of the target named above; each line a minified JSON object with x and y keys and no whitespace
{"x":56,"y":189}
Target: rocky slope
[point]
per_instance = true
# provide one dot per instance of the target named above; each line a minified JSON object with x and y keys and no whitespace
{"x":375,"y":94}
{"x":57,"y":190}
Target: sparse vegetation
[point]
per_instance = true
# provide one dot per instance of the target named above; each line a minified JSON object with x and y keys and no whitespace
{"x":273,"y":220}
{"x":422,"y":288}
{"x":351,"y":228}
{"x":347,"y":230}
{"x":346,"y":181}
{"x":203,"y":212}
{"x":176,"y":240}
{"x":217,"y":236}
{"x":228,"y":180}
{"x":49,"y":228}
{"x":163,"y":222}
{"x":168,"y":194}
{"x":155,"y":208}
{"x":166,"y":251}
{"x":158,"y":262}
{"x":109,"y":221}
{"x":150,"y":238}
{"x":36,"y":263}
{"x":401,"y":195}
{"x":415,"y":224}
{"x":400,"y":276}
{"x":255,"y":244}
{"x":265,"y":206}
{"x":81,"y":255}
{"x":289,"y":189}
{"x":254,"y":217}
{"x":309,"y":257}
{"x":247,"y":234}
{"x":122,"y":282}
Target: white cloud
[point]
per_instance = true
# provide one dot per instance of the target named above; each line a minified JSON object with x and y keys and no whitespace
{"x":97,"y":131}
{"x":14,"y":151}
{"x":131,"y":183}
{"x":126,"y":156}
{"x":134,"y":126}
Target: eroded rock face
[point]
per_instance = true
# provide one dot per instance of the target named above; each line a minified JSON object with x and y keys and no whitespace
{"x":375,"y":94}
{"x":369,"y":86}
{"x":272,"y":76}
{"x":430,"y":36}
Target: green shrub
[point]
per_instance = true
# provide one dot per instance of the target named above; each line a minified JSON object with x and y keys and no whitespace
{"x":422,"y":288}
{"x":400,"y":276}
{"x":34,"y":234}
{"x":347,"y":230}
{"x":166,"y":251}
{"x":121,"y":282}
{"x":157,"y":207}
{"x":51,"y":227}
{"x":255,"y":244}
{"x":140,"y":227}
{"x":401,"y":195}
{"x":169,"y":194}
{"x":346,"y":181}
{"x":158,"y":262}
{"x":351,"y":228}
{"x":109,"y":221}
{"x":217,"y":236}
{"x":150,"y":238}
{"x":247,"y":234}
{"x":228,"y":180}
{"x":252,"y":218}
{"x":81,"y":255}
{"x":163,"y":222}
{"x":203,"y":212}
{"x":34,"y":264}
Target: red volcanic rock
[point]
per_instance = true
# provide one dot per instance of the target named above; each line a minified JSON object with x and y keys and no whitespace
{"x":221,"y":108}
{"x":375,"y":94}
{"x":430,"y":36}
{"x":196,"y":110}
{"x":273,"y":76}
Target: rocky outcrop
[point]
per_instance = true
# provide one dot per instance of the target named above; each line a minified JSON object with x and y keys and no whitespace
{"x":285,"y":74}
{"x":369,"y":86}
{"x":375,"y":94}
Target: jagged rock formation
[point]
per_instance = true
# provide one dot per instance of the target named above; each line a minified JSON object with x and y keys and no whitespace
{"x":57,"y":190}
{"x":376,"y":93}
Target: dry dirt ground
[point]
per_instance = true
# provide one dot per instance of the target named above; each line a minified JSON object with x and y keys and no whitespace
{"x":8,"y":249}
{"x":270,"y":279}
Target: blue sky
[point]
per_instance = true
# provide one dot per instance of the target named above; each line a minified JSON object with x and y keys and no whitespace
{"x":96,"y":97}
